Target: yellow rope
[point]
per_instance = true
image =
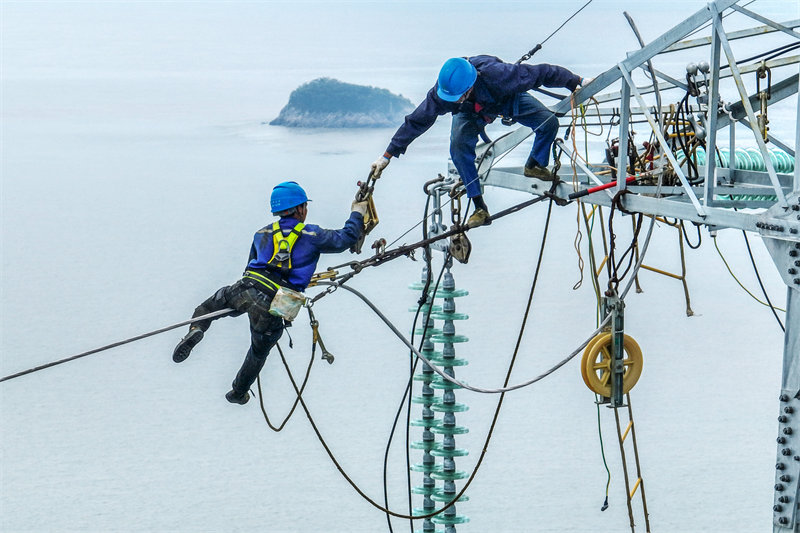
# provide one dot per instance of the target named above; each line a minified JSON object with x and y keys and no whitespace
{"x":765,"y":304}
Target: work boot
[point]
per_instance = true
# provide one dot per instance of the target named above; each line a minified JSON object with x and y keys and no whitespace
{"x":538,"y":171}
{"x":184,"y":348}
{"x":235,"y":397}
{"x":480,"y":217}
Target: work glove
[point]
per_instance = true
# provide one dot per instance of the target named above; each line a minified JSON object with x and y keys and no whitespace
{"x":359,"y":207}
{"x":378,"y":166}
{"x":585,"y":81}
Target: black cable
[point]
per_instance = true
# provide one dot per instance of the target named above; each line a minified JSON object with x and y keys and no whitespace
{"x":494,"y":418}
{"x":761,"y":284}
{"x":413,"y":364}
{"x":686,"y":237}
{"x":776,"y":51}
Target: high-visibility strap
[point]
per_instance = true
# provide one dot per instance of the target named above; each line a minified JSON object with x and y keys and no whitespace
{"x":264,"y":280}
{"x":283,"y":244}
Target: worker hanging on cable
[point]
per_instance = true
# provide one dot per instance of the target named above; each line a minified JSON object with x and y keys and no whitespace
{"x":283,"y":258}
{"x":476,"y":90}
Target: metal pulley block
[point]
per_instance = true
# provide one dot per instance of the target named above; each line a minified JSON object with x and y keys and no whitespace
{"x":596,"y":364}
{"x":460,"y":248}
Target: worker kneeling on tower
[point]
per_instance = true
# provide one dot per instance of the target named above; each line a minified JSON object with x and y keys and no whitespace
{"x":282,"y":260}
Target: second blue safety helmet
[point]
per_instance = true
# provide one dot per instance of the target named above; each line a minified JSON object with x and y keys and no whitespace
{"x":287,"y":195}
{"x":455,"y":78}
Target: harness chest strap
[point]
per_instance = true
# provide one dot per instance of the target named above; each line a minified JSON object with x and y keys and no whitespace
{"x":282,"y":245}
{"x":281,"y":255}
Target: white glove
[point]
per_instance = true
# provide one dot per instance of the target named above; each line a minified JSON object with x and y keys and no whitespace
{"x":359,"y":207}
{"x":378,"y":166}
{"x":585,"y":81}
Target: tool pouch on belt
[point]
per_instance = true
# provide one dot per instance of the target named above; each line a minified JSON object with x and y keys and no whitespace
{"x":286,"y":303}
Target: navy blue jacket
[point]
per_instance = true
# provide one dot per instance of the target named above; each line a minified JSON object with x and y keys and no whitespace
{"x":494,"y":90}
{"x":312,"y":242}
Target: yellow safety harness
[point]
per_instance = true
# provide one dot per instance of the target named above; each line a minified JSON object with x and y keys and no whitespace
{"x":281,"y":259}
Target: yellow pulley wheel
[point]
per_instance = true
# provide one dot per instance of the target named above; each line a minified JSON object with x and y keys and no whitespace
{"x":596,"y":364}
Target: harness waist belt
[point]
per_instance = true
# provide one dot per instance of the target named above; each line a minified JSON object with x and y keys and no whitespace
{"x":263,"y":280}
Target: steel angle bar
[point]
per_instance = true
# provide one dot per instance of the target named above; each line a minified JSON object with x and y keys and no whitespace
{"x":748,"y":108}
{"x":675,"y":84}
{"x":506,"y":143}
{"x":622,"y":152}
{"x":670,"y":79}
{"x":669,"y":207}
{"x":586,"y":170}
{"x":637,"y":58}
{"x":765,"y":20}
{"x":732,"y":36}
{"x":774,"y":140}
{"x":753,"y":178}
{"x":664,"y":146}
{"x":797,"y":146}
{"x":780,"y":91}
{"x":711,"y":143}
{"x":634,"y":110}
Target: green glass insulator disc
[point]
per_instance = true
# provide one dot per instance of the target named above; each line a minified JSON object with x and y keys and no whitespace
{"x":438,"y":451}
{"x":425,"y":309}
{"x":449,"y":316}
{"x":457,"y":293}
{"x":441,"y":384}
{"x":455,"y":475}
{"x":439,"y":496}
{"x":423,"y":445}
{"x":449,"y":520}
{"x":449,"y":430}
{"x":452,"y":339}
{"x":428,"y":469}
{"x":427,"y":400}
{"x":430,"y":332}
{"x":425,"y":491}
{"x":418,"y":286}
{"x":418,"y":422}
{"x":450,"y":407}
{"x":449,"y":361}
{"x":421,"y":511}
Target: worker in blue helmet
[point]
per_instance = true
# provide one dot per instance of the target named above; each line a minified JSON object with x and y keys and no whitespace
{"x":283,"y":258}
{"x":476,"y":90}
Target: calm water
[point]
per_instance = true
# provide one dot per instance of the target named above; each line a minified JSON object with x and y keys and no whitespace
{"x":135,"y":168}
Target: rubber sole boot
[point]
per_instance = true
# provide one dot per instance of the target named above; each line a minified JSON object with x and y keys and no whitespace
{"x":479,"y":218}
{"x":184,"y":348}
{"x":234,"y":397}
{"x":540,"y":172}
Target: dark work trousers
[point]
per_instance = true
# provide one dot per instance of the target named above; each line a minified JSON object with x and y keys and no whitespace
{"x":265,"y":329}
{"x":466,"y":127}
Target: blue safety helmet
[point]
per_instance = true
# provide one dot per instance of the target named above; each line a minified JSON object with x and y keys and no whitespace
{"x":455,"y":78}
{"x":287,"y":195}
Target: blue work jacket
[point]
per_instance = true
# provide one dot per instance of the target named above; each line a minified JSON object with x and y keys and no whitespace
{"x":312,"y":242}
{"x":494,"y":90}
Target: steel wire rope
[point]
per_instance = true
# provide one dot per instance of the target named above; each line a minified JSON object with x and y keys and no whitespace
{"x":455,"y":381}
{"x":215,"y":314}
{"x":707,"y":24}
{"x":497,"y":410}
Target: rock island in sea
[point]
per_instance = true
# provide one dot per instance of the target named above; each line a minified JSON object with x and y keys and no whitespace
{"x":329,"y":103}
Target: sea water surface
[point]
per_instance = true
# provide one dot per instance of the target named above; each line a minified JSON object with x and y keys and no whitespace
{"x":136,"y":165}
